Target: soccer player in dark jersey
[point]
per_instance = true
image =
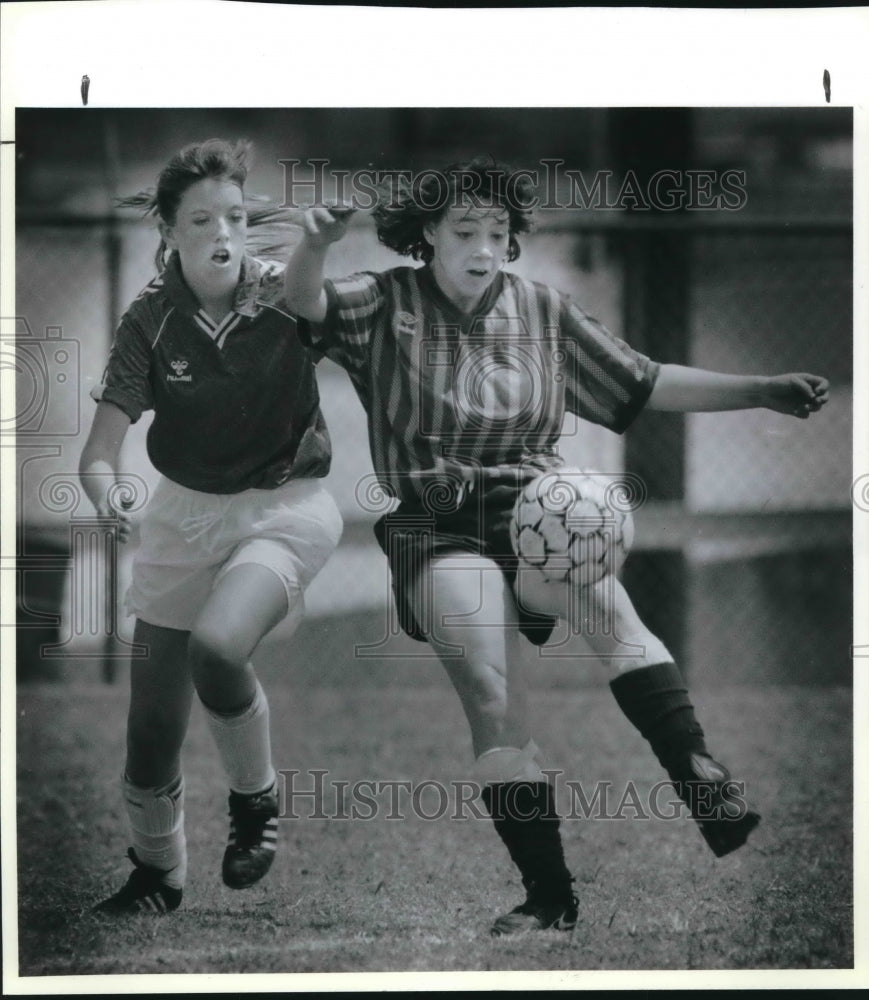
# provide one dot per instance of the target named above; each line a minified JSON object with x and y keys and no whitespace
{"x":466,"y":371}
{"x":239,"y":523}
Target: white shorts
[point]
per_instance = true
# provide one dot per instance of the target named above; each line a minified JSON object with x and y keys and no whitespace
{"x":189,"y":540}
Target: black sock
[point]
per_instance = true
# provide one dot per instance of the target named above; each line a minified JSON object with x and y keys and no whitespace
{"x":526,"y":820}
{"x":655,"y":699}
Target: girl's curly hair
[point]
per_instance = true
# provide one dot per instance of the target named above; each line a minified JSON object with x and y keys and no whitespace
{"x":404,"y":210}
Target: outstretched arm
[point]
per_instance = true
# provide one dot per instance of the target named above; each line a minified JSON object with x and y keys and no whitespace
{"x":683,"y":389}
{"x":98,"y":466}
{"x":303,"y":282}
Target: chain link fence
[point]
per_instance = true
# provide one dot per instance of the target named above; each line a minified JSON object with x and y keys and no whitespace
{"x":742,"y":560}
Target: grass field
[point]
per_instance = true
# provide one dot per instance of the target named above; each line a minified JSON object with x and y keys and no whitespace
{"x":418,"y":895}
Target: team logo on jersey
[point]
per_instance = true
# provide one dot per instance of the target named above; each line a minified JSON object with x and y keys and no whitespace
{"x":405,"y":322}
{"x":179,"y":366}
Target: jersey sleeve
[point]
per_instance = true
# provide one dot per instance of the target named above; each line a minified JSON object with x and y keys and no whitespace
{"x":608,"y":382}
{"x":354,"y":306}
{"x":126,"y":381}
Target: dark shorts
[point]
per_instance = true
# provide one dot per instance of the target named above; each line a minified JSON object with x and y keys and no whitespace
{"x":412,"y":535}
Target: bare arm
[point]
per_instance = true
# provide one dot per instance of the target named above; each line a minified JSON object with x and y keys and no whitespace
{"x":683,"y":389}
{"x":98,"y":466}
{"x":303,"y":282}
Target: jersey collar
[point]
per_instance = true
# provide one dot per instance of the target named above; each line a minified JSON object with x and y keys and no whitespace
{"x":246,"y":292}
{"x":248,"y":289}
{"x":465,"y":320}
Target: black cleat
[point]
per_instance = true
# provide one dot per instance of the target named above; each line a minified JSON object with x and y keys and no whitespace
{"x":540,"y":912}
{"x":716,"y":803}
{"x":145,"y":892}
{"x":253,"y":838}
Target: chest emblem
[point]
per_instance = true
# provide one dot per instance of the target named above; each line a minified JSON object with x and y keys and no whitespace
{"x":179,"y":366}
{"x":405,"y":323}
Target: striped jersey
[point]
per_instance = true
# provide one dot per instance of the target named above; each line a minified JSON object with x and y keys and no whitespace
{"x":453,"y":394}
{"x":235,"y":403}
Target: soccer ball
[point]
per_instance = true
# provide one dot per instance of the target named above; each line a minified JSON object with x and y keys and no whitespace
{"x":571,"y":527}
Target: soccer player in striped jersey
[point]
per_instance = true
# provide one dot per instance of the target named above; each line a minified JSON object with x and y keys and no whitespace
{"x":238,"y":524}
{"x":465,"y":371}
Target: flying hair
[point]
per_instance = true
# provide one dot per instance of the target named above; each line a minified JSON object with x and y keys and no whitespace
{"x":221,"y":160}
{"x":405,"y":209}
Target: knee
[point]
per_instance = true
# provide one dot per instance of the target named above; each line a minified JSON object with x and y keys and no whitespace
{"x":211,"y":647}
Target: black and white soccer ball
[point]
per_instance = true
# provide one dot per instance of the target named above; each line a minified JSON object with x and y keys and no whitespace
{"x":572,"y":527}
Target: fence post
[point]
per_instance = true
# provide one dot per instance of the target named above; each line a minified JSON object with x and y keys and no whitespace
{"x":656,"y":310}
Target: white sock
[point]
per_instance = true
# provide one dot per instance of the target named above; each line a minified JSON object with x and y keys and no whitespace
{"x":509,"y":764}
{"x":651,"y":651}
{"x":244,"y":745}
{"x":157,"y":824}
